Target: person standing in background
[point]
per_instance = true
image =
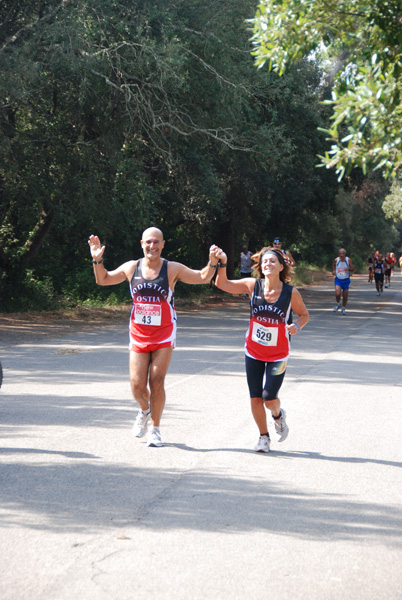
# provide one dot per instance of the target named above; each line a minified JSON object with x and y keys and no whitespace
{"x":277,"y":244}
{"x":245,"y":262}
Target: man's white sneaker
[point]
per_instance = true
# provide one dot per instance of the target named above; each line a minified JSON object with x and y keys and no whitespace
{"x":337,"y":307}
{"x":263,"y":444}
{"x":281,"y":426}
{"x":343,"y":310}
{"x":141,"y":423}
{"x":154,"y":437}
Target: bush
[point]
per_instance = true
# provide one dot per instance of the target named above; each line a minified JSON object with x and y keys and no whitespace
{"x":28,"y":294}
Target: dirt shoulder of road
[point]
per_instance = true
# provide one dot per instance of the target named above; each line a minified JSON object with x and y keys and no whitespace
{"x":17,"y":328}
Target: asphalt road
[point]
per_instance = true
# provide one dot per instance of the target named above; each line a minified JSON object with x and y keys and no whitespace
{"x":89,"y":512}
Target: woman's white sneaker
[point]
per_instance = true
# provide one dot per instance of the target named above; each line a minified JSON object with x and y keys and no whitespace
{"x":281,"y":427}
{"x":263,"y":444}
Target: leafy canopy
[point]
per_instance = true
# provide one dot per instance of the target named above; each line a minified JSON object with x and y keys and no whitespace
{"x":364,"y":39}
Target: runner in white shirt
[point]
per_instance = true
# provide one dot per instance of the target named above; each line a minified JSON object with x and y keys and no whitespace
{"x":342,"y":269}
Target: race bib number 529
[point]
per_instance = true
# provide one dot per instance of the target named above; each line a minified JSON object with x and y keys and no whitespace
{"x":266,"y":336}
{"x":148,"y":314}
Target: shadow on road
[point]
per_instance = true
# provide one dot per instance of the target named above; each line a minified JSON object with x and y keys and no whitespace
{"x":87,"y":497}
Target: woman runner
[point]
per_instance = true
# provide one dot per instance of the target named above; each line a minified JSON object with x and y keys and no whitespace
{"x":267,"y":346}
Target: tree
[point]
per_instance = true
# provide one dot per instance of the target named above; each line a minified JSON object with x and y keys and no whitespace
{"x":118,"y":115}
{"x":392,"y":205}
{"x":364,"y":40}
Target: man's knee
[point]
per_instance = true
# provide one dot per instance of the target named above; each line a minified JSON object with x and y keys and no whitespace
{"x":156,"y":381}
{"x":138,"y":386}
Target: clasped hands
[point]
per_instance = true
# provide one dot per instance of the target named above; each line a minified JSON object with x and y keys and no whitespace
{"x":216,"y":254}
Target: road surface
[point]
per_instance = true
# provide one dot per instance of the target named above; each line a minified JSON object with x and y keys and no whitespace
{"x":89,"y":512}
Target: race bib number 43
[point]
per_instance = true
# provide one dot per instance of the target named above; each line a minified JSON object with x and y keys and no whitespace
{"x":148,"y":314}
{"x":266,"y":336}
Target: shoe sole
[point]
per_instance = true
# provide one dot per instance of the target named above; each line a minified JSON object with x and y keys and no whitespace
{"x":261,"y":450}
{"x":154,"y":444}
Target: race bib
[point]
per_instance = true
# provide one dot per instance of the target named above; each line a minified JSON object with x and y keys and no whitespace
{"x":266,"y":336}
{"x":148,"y":314}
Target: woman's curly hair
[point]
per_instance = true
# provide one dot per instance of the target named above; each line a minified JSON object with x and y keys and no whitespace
{"x":287,"y":272}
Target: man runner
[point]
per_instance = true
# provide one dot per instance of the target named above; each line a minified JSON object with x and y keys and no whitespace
{"x":342,"y":269}
{"x":153,"y":320}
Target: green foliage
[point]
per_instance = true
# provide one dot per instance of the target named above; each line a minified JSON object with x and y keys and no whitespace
{"x":365,"y":36}
{"x":30,"y":293}
{"x":392,"y":205}
{"x":118,"y":116}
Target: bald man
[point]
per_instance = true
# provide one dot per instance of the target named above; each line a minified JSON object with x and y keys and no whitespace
{"x":152,"y":280}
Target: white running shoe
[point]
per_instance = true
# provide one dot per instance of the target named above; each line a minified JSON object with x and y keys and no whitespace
{"x":343,"y":310}
{"x":337,"y":307}
{"x":281,"y":426}
{"x":263,"y":444}
{"x":154,"y":437}
{"x":141,"y":423}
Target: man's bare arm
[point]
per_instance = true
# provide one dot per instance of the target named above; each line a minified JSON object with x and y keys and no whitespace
{"x":102,"y":276}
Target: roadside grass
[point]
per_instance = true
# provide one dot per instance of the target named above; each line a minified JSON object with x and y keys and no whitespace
{"x":186,"y":298}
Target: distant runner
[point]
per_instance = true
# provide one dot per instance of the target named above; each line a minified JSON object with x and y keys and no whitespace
{"x":388,"y":266}
{"x":379,"y":273}
{"x":342,"y":269}
{"x":370,"y":265}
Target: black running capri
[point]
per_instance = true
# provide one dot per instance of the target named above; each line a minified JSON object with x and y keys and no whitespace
{"x":256,"y":369}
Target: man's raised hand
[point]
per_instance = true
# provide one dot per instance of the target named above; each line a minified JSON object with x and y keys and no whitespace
{"x":95,"y":247}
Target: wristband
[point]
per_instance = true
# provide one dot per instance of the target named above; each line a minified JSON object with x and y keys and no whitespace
{"x":94,"y":262}
{"x":213,"y":266}
{"x":297,"y":326}
{"x":221,"y":265}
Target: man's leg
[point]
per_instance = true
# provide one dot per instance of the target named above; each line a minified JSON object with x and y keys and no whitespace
{"x":337,"y":297}
{"x":139,"y":367}
{"x":160,"y":360}
{"x":345,"y":298}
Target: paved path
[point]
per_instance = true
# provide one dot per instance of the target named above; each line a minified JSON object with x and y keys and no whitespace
{"x":89,"y":512}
